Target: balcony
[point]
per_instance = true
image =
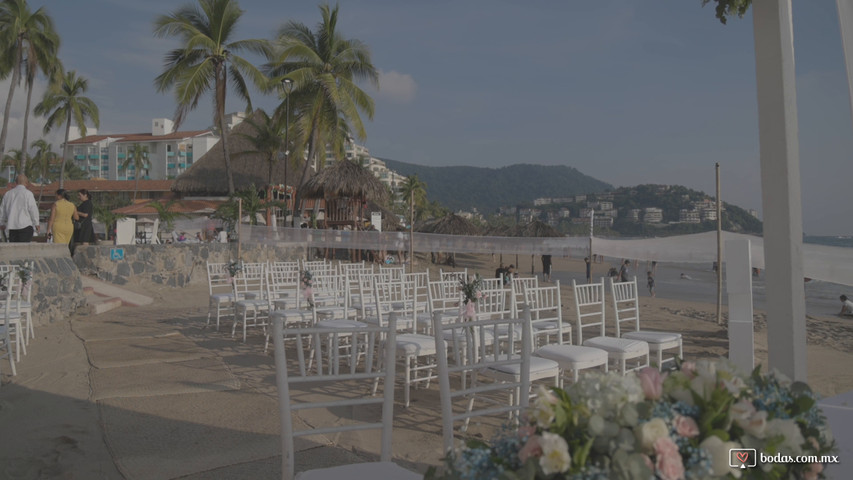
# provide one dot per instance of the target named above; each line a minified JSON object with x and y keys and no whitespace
{"x":182,"y":165}
{"x":93,"y":167}
{"x":105,"y":168}
{"x":105,"y":157}
{"x":182,"y":154}
{"x":170,"y":165}
{"x":92,"y":156}
{"x":120,"y":155}
{"x":79,"y":157}
{"x":170,"y":154}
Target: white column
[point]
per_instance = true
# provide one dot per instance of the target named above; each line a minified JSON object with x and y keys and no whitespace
{"x":780,"y":186}
{"x":739,"y":291}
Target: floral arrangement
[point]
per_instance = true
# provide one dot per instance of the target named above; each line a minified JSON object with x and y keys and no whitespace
{"x":234,"y":268}
{"x":26,"y":276}
{"x":652,"y":426}
{"x":306,"y":281}
{"x":470,"y":293}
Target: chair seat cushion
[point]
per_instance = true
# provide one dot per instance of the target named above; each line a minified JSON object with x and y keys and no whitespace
{"x":375,"y":470}
{"x":415,"y":344}
{"x":654,"y":338}
{"x":222,"y":297}
{"x":293,"y":315}
{"x":341,"y":324}
{"x":253,"y":303}
{"x":573,"y":357}
{"x":539,"y":368}
{"x":621,"y":347}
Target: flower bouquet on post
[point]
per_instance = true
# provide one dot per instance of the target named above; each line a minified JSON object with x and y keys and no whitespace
{"x":233,"y":269}
{"x":704,"y":420}
{"x":471,"y":294}
{"x":26,"y":276}
{"x":306,"y":281}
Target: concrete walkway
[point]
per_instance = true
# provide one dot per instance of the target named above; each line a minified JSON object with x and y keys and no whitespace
{"x":158,"y":396}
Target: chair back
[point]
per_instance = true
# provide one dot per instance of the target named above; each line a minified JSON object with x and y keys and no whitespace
{"x":485,"y":344}
{"x":251,"y":280}
{"x":518,"y":285}
{"x":493,"y":304}
{"x":218,"y":279}
{"x":460,"y":275}
{"x":338,"y":374}
{"x":417,"y":290}
{"x":546,"y":312}
{"x":625,"y":304}
{"x":589,"y":307}
{"x":491,"y":283}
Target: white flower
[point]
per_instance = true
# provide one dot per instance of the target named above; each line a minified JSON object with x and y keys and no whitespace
{"x":719,"y":452}
{"x":682,"y":395}
{"x":555,"y":454}
{"x":740,"y":412}
{"x":792,"y":436}
{"x":756,"y":425}
{"x":735,"y":385}
{"x":650,"y":431}
{"x":543,"y":408}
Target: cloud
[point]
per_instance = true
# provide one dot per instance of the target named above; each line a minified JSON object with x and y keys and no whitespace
{"x":15,"y":130}
{"x":397,"y":87}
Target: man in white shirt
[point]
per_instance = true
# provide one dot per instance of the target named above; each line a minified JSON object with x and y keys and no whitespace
{"x":19,"y":212}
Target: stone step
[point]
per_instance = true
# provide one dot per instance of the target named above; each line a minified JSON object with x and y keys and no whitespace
{"x":103,"y":289}
{"x":88,"y":291}
{"x":98,"y":305}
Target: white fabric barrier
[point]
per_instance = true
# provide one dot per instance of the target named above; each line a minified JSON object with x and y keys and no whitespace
{"x":831,"y":264}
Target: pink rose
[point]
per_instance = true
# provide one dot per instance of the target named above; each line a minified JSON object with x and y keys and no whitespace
{"x":689,"y":369}
{"x":531,"y":449}
{"x":686,"y":426}
{"x":813,"y":472}
{"x":652,"y":383}
{"x":669,"y":465}
{"x":526,"y":431}
{"x":649,"y":463}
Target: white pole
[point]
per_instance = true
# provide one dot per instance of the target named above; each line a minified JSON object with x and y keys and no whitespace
{"x":719,"y":251}
{"x":739,"y":290}
{"x":845,"y":19}
{"x":780,"y":186}
{"x":591,"y":222}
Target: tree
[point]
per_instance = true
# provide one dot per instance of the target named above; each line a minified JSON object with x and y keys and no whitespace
{"x":267,"y":139}
{"x":64,"y":102}
{"x":29,"y":42}
{"x":16,"y":160}
{"x":137,"y":157}
{"x":324,"y":67}
{"x":42,"y":162}
{"x":166,"y":215}
{"x":413,"y":192}
{"x":729,"y":8}
{"x":252,"y":206}
{"x":206,"y":61}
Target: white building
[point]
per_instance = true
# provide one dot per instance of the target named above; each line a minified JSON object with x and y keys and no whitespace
{"x":688,"y":216}
{"x":359,"y":153}
{"x":709,"y":213}
{"x":634,"y":214}
{"x":169,"y":153}
{"x":653,"y":215}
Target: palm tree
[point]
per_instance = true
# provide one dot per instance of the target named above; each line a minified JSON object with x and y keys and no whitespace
{"x":267,"y":138}
{"x":413,"y":191}
{"x":29,"y":42}
{"x":64,"y":102}
{"x":252,"y":206}
{"x":207,"y":59}
{"x":166,"y":215}
{"x":42,"y":162}
{"x":137,"y":157}
{"x":324,"y":67}
{"x":15,"y":160}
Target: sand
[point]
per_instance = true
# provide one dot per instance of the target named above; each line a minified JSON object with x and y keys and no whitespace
{"x":149,"y":393}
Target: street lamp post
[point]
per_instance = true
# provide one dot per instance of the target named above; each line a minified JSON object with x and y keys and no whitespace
{"x":288,"y":87}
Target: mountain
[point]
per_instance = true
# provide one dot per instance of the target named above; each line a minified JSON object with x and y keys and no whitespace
{"x":487,"y":189}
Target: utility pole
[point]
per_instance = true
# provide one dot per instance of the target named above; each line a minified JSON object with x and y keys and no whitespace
{"x":719,"y":251}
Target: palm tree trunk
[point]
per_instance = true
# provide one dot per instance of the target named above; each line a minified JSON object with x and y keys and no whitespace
{"x":136,"y":188}
{"x":29,"y":87}
{"x":64,"y":152}
{"x":298,"y":198}
{"x":16,"y":77}
{"x":221,"y":77}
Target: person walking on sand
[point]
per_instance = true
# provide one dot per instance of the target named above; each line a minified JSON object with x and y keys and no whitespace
{"x":546,"y":267}
{"x":846,"y":307}
{"x":19,"y":212}
{"x":651,"y":283}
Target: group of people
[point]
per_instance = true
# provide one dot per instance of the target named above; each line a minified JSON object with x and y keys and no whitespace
{"x":68,"y":223}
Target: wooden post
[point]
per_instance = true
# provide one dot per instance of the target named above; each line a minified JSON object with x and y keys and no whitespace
{"x":780,"y":186}
{"x":719,"y":251}
{"x":239,"y":221}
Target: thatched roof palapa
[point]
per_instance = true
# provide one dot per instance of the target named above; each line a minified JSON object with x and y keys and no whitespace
{"x":206,"y":176}
{"x":345,"y":179}
{"x":450,"y":224}
{"x":537,"y":228}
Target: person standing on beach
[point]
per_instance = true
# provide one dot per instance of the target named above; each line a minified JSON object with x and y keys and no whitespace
{"x":623,"y":271}
{"x":86,"y":233}
{"x":846,"y":307}
{"x":546,"y":267}
{"x":19,"y":212}
{"x":651,"y":283}
{"x":588,"y":270}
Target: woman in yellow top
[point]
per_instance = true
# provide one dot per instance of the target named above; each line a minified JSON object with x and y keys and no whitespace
{"x":61,"y":213}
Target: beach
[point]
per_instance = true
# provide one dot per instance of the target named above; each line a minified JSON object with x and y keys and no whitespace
{"x":148,"y":392}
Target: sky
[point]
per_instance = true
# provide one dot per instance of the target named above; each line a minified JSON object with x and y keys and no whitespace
{"x":628,"y":92}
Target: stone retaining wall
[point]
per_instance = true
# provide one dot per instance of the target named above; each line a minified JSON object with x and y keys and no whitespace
{"x":57,"y":289}
{"x":174,"y":265}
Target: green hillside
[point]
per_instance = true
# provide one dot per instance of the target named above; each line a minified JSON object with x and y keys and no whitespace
{"x":488,"y":189}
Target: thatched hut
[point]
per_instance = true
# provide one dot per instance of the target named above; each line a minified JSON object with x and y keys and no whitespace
{"x":450,"y":224}
{"x":535,"y":228}
{"x":206,"y":177}
{"x":346,"y":187}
